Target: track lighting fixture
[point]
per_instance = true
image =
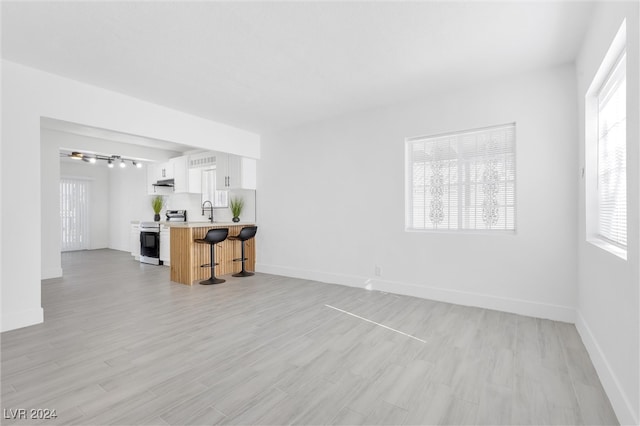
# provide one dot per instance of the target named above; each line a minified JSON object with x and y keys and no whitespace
{"x":93,"y":158}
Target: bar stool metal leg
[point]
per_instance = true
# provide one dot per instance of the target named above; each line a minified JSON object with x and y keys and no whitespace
{"x":243,"y":272}
{"x":246,"y":233}
{"x":213,"y":279}
{"x":213,"y":237}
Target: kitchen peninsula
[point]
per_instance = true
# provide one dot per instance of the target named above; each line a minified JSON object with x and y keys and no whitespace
{"x":187,"y":256}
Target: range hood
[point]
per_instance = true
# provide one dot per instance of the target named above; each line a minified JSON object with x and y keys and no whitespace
{"x":165,"y":183}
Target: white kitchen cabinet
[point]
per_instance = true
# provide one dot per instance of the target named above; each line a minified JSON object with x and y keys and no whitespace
{"x":246,"y":174}
{"x":186,"y":180}
{"x":222,"y":171}
{"x":165,"y":244}
{"x":195,"y":181}
{"x":156,"y":172}
{"x":180,"y":166}
{"x":235,"y":172}
{"x":160,"y":171}
{"x":165,"y":170}
{"x":134,"y":241}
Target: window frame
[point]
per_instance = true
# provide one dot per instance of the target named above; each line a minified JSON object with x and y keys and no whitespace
{"x":611,"y":84}
{"x":464,"y":161}
{"x":615,"y":54}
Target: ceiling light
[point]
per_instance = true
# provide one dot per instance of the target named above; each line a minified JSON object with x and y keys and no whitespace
{"x":111,"y":160}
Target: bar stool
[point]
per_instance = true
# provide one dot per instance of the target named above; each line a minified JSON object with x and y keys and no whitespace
{"x":245,"y":234}
{"x":213,"y":237}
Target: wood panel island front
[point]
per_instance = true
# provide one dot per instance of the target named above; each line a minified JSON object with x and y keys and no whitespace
{"x":187,"y":256}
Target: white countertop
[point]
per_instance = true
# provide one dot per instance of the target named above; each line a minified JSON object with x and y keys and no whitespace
{"x":205,"y":224}
{"x":196,"y":224}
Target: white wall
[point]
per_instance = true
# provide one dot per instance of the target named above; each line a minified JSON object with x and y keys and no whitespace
{"x":608,"y":297}
{"x":128,"y":201}
{"x":332,"y":201}
{"x":51,"y":264}
{"x":29,"y":94}
{"x":98,"y":178}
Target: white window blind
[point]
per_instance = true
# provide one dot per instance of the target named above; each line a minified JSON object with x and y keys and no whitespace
{"x":612,"y":156}
{"x":462,"y":181}
{"x":74,"y":214}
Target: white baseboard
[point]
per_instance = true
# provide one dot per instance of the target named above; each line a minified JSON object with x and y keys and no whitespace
{"x":48,"y":273}
{"x":325,"y":277}
{"x":618,"y":398}
{"x":11,"y":321}
{"x":466,"y":298}
{"x":516,"y":306}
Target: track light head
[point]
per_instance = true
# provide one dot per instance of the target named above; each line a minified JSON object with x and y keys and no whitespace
{"x":110,"y":163}
{"x":122,"y":164}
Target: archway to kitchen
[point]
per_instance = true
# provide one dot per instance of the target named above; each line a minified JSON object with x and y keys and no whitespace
{"x":120,"y":195}
{"x":31,"y":95}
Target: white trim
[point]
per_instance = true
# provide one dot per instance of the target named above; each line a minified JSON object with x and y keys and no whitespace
{"x":504,"y":304}
{"x":21,"y":319}
{"x":486,"y":301}
{"x":325,"y":277}
{"x":607,"y":246}
{"x":617,"y":46}
{"x":49,"y":273}
{"x":618,"y":398}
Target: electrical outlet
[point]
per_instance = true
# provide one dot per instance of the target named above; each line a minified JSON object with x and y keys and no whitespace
{"x":377,"y":271}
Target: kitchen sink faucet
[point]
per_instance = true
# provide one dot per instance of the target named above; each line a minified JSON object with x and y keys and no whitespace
{"x":210,"y":209}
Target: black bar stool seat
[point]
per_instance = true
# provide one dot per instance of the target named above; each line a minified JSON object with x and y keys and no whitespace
{"x":213,"y":237}
{"x":245,"y":234}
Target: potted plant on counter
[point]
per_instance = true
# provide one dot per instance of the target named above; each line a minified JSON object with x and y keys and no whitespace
{"x":156,"y":204}
{"x":236,"y":204}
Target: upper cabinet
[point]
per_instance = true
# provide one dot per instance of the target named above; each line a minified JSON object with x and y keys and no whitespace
{"x":163,"y":170}
{"x":235,"y":172}
{"x":188,"y":179}
{"x":231,"y":172}
{"x":156,"y":172}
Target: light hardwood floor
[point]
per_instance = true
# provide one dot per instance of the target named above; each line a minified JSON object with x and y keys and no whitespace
{"x":121,"y":344}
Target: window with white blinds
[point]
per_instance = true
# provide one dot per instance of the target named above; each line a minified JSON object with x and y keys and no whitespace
{"x":462,"y":181}
{"x":74,"y":214}
{"x":612,"y":156}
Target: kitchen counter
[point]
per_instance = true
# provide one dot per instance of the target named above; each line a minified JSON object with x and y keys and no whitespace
{"x":187,"y":256}
{"x":201,"y":224}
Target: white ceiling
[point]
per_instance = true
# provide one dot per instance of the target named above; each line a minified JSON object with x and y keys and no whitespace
{"x":269,"y":65}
